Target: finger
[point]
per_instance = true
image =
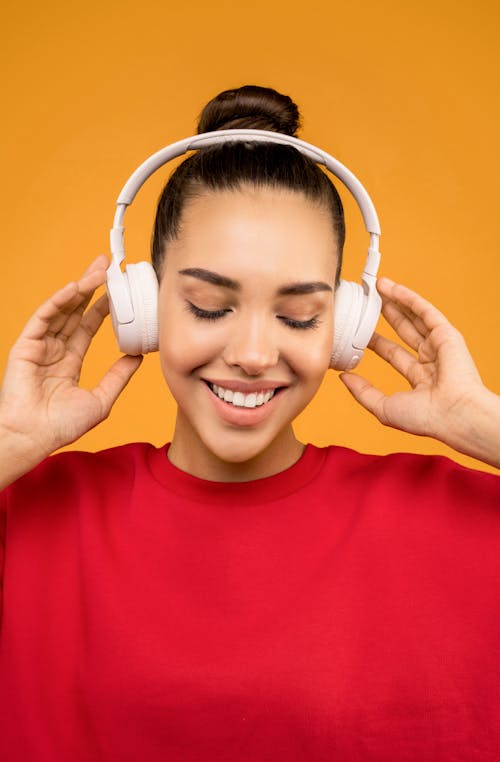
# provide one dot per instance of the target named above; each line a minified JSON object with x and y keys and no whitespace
{"x":400,"y":359}
{"x":64,"y":324}
{"x":88,"y":326}
{"x":99,"y":263}
{"x":408,"y":327}
{"x":97,"y":268}
{"x":431,"y":317}
{"x":393,"y":353}
{"x":407,"y":312}
{"x":93,"y":277}
{"x":78,"y":317}
{"x":53,"y":314}
{"x":115,"y":381}
{"x":366,"y":394}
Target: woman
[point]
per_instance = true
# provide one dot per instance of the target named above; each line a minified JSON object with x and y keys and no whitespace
{"x":238,"y":595}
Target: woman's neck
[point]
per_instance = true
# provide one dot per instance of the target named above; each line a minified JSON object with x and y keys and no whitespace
{"x":189,"y":453}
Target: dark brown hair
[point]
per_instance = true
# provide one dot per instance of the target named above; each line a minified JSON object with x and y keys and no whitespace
{"x":229,"y":166}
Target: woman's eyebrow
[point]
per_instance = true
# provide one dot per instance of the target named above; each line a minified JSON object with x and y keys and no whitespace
{"x":303,"y":288}
{"x":210,"y":277}
{"x":290,"y":289}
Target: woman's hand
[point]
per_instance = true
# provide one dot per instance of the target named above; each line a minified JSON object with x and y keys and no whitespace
{"x":42,"y":407}
{"x":447,"y":399}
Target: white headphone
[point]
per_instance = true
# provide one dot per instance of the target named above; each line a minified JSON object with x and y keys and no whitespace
{"x":133,"y":294}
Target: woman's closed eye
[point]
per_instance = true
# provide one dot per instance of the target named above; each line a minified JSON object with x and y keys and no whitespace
{"x":301,"y":324}
{"x":203,"y":314}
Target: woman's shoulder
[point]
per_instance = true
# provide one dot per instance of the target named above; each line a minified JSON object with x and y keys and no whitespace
{"x":407,"y":471}
{"x":423,"y":492}
{"x":120,"y":456}
{"x":71,"y":469}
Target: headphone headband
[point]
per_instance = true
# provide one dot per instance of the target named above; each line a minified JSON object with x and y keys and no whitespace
{"x":164,"y":155}
{"x":134,"y":293}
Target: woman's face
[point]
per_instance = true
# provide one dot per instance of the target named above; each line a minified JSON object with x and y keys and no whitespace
{"x":246,"y":326}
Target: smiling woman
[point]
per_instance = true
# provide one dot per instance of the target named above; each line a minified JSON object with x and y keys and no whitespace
{"x":238,"y":594}
{"x":229,"y":316}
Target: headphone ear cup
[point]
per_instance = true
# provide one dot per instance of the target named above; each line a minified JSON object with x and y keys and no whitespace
{"x":143,"y":285}
{"x":140,"y":334}
{"x":349,"y":301}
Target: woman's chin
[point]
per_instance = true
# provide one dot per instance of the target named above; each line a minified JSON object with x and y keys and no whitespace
{"x":221,"y":452}
{"x":237,"y":453}
{"x":243,"y":459}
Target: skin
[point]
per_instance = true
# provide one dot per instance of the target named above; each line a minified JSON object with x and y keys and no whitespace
{"x":264,"y":240}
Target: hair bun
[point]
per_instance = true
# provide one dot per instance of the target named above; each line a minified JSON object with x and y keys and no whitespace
{"x":250,"y":107}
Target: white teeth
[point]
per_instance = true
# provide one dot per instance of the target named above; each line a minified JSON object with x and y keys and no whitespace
{"x":239,"y":399}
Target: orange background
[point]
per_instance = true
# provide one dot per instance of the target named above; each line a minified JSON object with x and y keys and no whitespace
{"x":405,"y":94}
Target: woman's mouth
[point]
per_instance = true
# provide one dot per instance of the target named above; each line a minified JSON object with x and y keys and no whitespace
{"x":239,"y":399}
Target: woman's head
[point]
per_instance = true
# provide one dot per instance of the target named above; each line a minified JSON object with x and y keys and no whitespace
{"x":248,"y":265}
{"x":229,"y":166}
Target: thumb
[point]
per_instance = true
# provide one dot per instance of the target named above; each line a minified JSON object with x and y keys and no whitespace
{"x":115,"y":380}
{"x":364,"y":392}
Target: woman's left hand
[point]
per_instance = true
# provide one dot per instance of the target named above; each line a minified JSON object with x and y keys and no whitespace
{"x":447,"y":399}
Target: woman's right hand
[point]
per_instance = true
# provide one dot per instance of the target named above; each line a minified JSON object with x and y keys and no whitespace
{"x":42,"y":407}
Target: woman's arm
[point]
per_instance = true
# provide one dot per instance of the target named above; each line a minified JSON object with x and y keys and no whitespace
{"x":42,"y":406}
{"x":447,"y":399}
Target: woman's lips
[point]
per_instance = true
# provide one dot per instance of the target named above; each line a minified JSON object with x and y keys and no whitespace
{"x":250,"y":408}
{"x":242,"y":399}
{"x":246,"y":387}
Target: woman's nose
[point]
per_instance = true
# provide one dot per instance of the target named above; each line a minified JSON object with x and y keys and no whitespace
{"x":251,"y":346}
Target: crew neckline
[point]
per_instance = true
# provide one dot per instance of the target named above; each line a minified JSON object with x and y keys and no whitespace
{"x":266,"y":489}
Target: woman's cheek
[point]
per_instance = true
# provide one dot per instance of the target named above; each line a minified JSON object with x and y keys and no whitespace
{"x":312,"y":356}
{"x":190,"y":347}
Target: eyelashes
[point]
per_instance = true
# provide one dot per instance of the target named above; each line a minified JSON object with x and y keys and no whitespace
{"x":213,"y":315}
{"x":205,"y":314}
{"x":300,"y":324}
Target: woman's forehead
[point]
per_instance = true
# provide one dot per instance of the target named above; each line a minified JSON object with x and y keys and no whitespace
{"x":263,"y":224}
{"x":253,"y":200}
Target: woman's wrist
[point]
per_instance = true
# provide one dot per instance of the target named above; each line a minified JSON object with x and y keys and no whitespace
{"x":18,"y":455}
{"x":474,"y":428}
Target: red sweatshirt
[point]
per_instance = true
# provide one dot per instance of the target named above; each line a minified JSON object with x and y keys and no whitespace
{"x":345,"y":609}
